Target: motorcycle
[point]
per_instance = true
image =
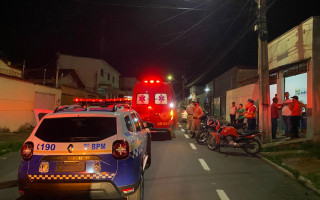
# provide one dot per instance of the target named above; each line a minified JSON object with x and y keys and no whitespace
{"x":230,"y":136}
{"x":210,"y":126}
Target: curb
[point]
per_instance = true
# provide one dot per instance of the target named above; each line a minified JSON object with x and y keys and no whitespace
{"x":306,"y":181}
{"x":8,"y":184}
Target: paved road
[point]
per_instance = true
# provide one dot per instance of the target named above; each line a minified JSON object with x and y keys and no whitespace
{"x":182,"y":169}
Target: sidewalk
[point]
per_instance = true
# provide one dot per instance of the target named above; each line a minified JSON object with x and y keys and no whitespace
{"x":9,"y":168}
{"x":10,"y":145}
{"x":298,"y":158}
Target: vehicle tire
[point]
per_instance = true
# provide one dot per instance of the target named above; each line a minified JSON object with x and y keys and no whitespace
{"x":139,"y":193}
{"x":202,"y":137}
{"x":212,"y":142}
{"x":252,"y":146}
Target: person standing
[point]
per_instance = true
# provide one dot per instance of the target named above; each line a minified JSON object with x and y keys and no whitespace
{"x":286,"y":115}
{"x":251,"y":112}
{"x":274,"y":116}
{"x":197,"y":114}
{"x":240,"y":113}
{"x":189,"y":110}
{"x":296,"y":113}
{"x":233,"y":112}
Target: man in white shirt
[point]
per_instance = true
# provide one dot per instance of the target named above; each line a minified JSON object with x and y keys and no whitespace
{"x":286,"y":114}
{"x":233,"y":112}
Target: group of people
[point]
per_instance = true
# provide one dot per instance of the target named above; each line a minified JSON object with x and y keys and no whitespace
{"x":237,"y":115}
{"x":291,"y":114}
{"x":195,"y":113}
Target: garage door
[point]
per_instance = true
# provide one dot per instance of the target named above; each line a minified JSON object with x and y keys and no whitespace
{"x":44,"y":101}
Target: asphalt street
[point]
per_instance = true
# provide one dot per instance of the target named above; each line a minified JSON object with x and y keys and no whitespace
{"x":183,"y":169}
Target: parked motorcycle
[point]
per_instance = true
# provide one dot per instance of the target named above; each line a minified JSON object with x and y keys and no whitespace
{"x":230,"y":136}
{"x":210,"y":126}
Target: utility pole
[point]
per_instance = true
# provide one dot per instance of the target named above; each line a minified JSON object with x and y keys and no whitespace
{"x":57,"y":71}
{"x":23,"y":68}
{"x":263,"y":70}
{"x":44,"y":76}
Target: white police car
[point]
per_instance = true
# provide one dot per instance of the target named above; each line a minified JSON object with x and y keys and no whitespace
{"x":100,"y":153}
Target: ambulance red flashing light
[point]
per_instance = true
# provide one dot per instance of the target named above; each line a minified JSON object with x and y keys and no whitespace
{"x":79,"y":100}
{"x":152,"y":81}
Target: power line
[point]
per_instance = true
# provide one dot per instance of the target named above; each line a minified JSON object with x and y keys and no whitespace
{"x":139,"y":6}
{"x":188,"y":30}
{"x":233,"y":43}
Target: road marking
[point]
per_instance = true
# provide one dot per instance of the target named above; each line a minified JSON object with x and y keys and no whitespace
{"x":222,"y":195}
{"x":204,"y":164}
{"x":193,"y":146}
{"x":183,"y":129}
{"x":185,"y":135}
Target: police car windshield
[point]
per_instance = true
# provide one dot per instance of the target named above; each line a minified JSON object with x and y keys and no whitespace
{"x":77,"y":129}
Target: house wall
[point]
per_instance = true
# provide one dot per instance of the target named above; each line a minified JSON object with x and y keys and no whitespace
{"x":127,"y":84}
{"x":293,"y":46}
{"x":10,"y":71}
{"x":89,"y":71}
{"x":241,"y":95}
{"x":18,"y":99}
{"x":70,"y":93}
{"x":68,"y":80}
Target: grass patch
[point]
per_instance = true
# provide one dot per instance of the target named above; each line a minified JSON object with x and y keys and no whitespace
{"x":314,"y":179}
{"x":277,"y":159}
{"x":10,"y":147}
{"x":10,"y":142}
{"x":4,"y":130}
{"x":309,"y":145}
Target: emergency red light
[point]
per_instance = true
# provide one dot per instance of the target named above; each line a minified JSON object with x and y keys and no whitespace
{"x":129,"y":190}
{"x":78,"y":100}
{"x":152,"y":81}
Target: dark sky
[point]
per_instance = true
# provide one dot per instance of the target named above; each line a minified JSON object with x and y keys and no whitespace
{"x":140,"y":37}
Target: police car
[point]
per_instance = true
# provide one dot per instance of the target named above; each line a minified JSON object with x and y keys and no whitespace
{"x":98,"y":152}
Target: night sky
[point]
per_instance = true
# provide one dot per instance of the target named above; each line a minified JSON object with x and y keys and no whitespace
{"x":141,"y":37}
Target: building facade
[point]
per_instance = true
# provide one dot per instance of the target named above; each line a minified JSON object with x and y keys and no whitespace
{"x":96,"y":74}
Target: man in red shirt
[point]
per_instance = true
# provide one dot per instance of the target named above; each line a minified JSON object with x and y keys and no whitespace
{"x":296,"y":113}
{"x":274,"y":116}
{"x":250,"y":113}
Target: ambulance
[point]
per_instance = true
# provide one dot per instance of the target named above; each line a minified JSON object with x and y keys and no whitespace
{"x":155,"y":102}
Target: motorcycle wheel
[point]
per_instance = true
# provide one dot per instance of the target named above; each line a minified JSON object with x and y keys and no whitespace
{"x":252,"y":146}
{"x":202,"y":137}
{"x":212,"y":142}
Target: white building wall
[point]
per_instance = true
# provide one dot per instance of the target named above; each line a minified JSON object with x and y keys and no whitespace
{"x":87,"y":68}
{"x":241,"y":95}
{"x":291,"y":47}
{"x":17,"y":101}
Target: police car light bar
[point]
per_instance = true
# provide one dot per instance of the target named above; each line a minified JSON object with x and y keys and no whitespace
{"x":81,"y":100}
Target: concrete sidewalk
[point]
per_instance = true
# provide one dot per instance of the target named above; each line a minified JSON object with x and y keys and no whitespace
{"x":294,"y":158}
{"x":9,"y":169}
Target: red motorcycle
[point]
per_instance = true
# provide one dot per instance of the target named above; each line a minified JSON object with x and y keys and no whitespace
{"x":230,"y":136}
